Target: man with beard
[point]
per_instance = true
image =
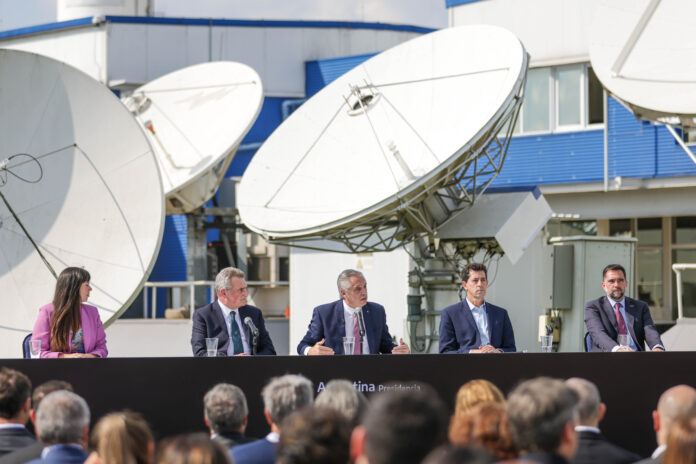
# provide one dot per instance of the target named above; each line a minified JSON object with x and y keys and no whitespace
{"x":609,"y":316}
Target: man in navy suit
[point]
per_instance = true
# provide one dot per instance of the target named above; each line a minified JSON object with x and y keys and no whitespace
{"x":62,"y":424}
{"x":15,"y":392}
{"x":225,"y":319}
{"x":615,"y":314}
{"x":333,"y":321}
{"x":282,"y":396}
{"x":474,"y":325}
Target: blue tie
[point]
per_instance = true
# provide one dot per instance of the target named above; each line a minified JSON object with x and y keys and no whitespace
{"x":236,"y":336}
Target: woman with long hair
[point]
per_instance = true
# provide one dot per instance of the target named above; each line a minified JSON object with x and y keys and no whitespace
{"x":122,"y":438}
{"x":67,"y":327}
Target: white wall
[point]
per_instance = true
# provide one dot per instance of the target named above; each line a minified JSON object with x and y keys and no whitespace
{"x":552,"y":31}
{"x":313,"y":277}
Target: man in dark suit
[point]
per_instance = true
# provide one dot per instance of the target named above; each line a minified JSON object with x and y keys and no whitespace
{"x":15,"y":392}
{"x":226,"y":320}
{"x":62,"y":424}
{"x":592,"y":446}
{"x":333,"y":321}
{"x":615,"y":314}
{"x":474,"y":325}
{"x":226,"y":413}
{"x":282,"y":396}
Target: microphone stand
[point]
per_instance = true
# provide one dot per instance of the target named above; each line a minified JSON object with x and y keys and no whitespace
{"x":361,"y":329}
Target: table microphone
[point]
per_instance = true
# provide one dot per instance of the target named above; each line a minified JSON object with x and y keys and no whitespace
{"x":249,"y":323}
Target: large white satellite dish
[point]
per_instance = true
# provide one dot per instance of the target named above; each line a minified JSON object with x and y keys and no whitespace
{"x":79,"y":186}
{"x":392,"y":149}
{"x":644,"y":53}
{"x":195,"y":119}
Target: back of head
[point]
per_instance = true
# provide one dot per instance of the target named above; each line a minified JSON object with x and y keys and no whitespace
{"x":48,"y":387}
{"x":123,"y":438}
{"x":588,"y":400}
{"x":538,"y":411}
{"x":15,"y":388}
{"x":225,"y":407}
{"x":193,"y":448}
{"x":475,"y":392}
{"x":404,"y":426}
{"x":286,"y":394}
{"x":314,"y":435}
{"x":486,"y":426}
{"x":341,"y":396}
{"x":681,"y":442}
{"x":676,"y":402}
{"x":449,"y":454}
{"x":62,"y":418}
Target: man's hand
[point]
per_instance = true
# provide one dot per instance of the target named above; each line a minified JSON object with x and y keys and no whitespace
{"x":77,"y":355}
{"x":657,"y":348}
{"x":320,"y":349}
{"x":242,"y":354}
{"x":401,"y":348}
{"x":486,"y":349}
{"x":625,"y":349}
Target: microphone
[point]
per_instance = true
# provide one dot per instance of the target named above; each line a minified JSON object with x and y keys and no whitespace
{"x":361,"y":322}
{"x":249,"y":323}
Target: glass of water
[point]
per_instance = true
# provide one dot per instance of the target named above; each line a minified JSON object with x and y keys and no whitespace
{"x":35,"y":348}
{"x":211,"y":347}
{"x":624,"y":340}
{"x":547,"y":343}
{"x":348,"y":345}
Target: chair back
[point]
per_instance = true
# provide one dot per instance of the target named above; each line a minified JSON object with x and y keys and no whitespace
{"x":588,"y":342}
{"x":26,"y":346}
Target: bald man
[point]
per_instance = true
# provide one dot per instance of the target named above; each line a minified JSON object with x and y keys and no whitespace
{"x":675,"y":403}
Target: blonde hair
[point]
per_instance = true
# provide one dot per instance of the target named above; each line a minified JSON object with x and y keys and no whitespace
{"x":123,"y":438}
{"x":476,"y":392}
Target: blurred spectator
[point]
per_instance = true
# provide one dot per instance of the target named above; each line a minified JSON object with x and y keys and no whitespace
{"x":281,"y":397}
{"x":341,"y":396}
{"x":122,"y":438}
{"x":449,"y":454}
{"x":475,"y":392}
{"x":681,"y":442}
{"x":541,"y":413}
{"x":62,"y":424}
{"x":314,"y":435}
{"x":401,"y":426}
{"x":33,"y":451}
{"x":193,"y":448}
{"x":226,"y":413}
{"x":486,"y":426}
{"x":15,"y":402}
{"x":592,"y":446}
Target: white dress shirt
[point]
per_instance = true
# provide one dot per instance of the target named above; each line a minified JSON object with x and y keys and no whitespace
{"x":481,"y":319}
{"x":245,"y":343}
{"x":348,"y":315}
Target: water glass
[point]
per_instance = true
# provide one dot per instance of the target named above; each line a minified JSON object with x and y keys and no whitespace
{"x":211,"y":347}
{"x":547,"y":343}
{"x":35,"y":349}
{"x":624,"y":340}
{"x":348,"y":345}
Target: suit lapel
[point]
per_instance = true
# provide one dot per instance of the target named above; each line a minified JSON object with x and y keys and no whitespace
{"x":466,"y":311}
{"x":220,"y":317}
{"x":339,"y":321}
{"x":630,"y":310}
{"x":609,"y":313}
{"x":369,"y":327}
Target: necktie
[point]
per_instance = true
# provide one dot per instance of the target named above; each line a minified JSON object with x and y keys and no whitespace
{"x":235,"y":335}
{"x":620,"y":320}
{"x":356,"y":334}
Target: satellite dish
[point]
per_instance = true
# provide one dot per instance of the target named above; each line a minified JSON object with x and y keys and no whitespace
{"x":79,"y":186}
{"x":195,"y":118}
{"x":392,"y":149}
{"x":644,"y":53}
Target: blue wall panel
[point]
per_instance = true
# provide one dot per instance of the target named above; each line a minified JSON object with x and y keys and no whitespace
{"x":320,"y":73}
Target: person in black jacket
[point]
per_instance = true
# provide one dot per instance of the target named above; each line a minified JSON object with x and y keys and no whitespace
{"x":226,"y":413}
{"x":592,"y":445}
{"x":15,"y":392}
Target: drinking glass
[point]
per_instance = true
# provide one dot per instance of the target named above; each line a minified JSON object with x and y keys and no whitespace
{"x":547,"y":343}
{"x":348,"y":345}
{"x":35,"y":349}
{"x":211,"y":347}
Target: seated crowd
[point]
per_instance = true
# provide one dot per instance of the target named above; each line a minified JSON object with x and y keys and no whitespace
{"x":542,"y":420}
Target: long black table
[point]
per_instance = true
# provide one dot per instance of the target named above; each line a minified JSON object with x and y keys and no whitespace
{"x":169,"y":391}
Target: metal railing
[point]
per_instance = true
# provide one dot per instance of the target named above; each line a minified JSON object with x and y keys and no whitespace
{"x":678,"y":268}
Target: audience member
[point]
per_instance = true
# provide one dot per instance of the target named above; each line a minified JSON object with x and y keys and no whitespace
{"x":68,"y":327}
{"x":681,"y":442}
{"x":448,"y":454}
{"x":675,"y":403}
{"x":281,"y":397}
{"x":341,"y":396}
{"x":314,"y":435}
{"x":15,"y":402}
{"x":122,"y":438}
{"x":226,"y":413}
{"x":592,"y":446}
{"x":193,"y":448}
{"x":485,"y":426}
{"x":475,"y":392}
{"x":62,"y":424}
{"x":401,"y":426}
{"x":541,"y":413}
{"x":33,"y":451}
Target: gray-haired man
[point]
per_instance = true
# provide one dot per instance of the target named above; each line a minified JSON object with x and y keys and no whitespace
{"x":333,"y":321}
{"x":226,"y":414}
{"x":229,"y":319}
{"x":281,"y":397}
{"x":62,"y":424}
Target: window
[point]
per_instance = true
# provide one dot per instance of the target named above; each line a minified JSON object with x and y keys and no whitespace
{"x":561,"y":98}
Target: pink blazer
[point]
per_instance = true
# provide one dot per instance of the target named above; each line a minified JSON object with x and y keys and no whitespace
{"x":93,"y":335}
